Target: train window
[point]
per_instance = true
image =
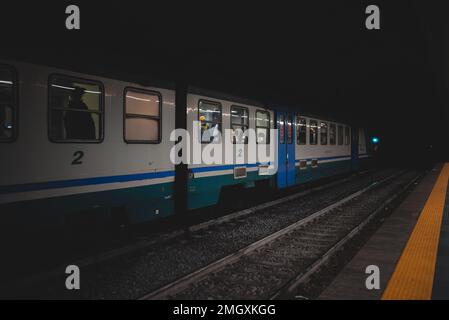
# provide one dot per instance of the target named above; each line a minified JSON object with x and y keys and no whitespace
{"x":76,"y":110}
{"x":281,"y":129}
{"x":209,"y":115}
{"x":263,"y":127}
{"x":142,"y":116}
{"x":301,"y":131}
{"x":239,"y":124}
{"x":347,"y":135}
{"x":332,"y":134}
{"x":323,"y":133}
{"x":289,"y":130}
{"x":340,"y":135}
{"x":313,"y":132}
{"x":8,"y":104}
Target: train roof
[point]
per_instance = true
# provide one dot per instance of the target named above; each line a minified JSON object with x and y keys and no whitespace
{"x":146,"y":80}
{"x":310,"y":112}
{"x":225,"y":96}
{"x":97,"y":71}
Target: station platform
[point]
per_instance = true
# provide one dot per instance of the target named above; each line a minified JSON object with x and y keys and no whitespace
{"x":411,"y":249}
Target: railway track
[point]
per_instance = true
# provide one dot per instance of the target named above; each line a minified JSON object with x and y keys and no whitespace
{"x":133,"y":272}
{"x":274,"y":266}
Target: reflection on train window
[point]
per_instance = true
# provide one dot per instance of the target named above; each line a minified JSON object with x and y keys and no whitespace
{"x":289,"y":130}
{"x":332,"y":133}
{"x":323,"y":133}
{"x":239,"y":124}
{"x":281,"y":129}
{"x":340,"y":135}
{"x":209,"y":116}
{"x":313,"y":132}
{"x":7,"y":104}
{"x":76,"y":110}
{"x":301,"y":131}
{"x":347,"y":134}
{"x":263,"y":127}
{"x":142,"y":116}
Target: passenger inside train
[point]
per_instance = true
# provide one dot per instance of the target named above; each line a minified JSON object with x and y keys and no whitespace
{"x":78,"y":125}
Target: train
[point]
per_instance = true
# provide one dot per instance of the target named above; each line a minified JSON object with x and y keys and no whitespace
{"x":77,"y":145}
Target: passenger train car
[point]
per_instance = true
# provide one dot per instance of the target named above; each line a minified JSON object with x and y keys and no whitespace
{"x":74,"y":145}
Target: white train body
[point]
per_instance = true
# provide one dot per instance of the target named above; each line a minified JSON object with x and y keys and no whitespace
{"x":51,"y":174}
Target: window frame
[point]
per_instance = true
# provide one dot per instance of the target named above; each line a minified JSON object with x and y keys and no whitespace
{"x":235,"y":106}
{"x":298,"y":121}
{"x":327,"y":133}
{"x":134,"y":116}
{"x":268,"y":139}
{"x":335,"y":134}
{"x":15,"y":113}
{"x":221,"y":117}
{"x":340,"y":134}
{"x":102,"y":111}
{"x":310,"y":129}
{"x":348,"y":141}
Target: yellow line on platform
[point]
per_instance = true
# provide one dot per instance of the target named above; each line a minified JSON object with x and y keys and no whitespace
{"x":413,"y":277}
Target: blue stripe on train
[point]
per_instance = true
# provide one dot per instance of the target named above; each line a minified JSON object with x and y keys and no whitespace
{"x":348,"y":157}
{"x":83,"y":182}
{"x":103,"y":180}
{"x":26,"y":187}
{"x":220,"y":168}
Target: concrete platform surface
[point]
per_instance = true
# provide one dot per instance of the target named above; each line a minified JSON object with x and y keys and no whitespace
{"x":385,"y":248}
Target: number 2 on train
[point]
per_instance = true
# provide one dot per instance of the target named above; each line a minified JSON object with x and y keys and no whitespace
{"x":78,"y":156}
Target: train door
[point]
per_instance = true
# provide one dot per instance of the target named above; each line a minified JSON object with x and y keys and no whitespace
{"x":286,"y":150}
{"x":291,"y":159}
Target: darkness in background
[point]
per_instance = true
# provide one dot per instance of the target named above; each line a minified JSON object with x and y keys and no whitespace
{"x":314,"y":55}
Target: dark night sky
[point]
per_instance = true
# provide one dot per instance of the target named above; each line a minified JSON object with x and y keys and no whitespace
{"x":315,"y":55}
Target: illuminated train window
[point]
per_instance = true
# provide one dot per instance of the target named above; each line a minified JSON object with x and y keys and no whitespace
{"x":8,"y":104}
{"x":313,"y":132}
{"x":332,"y":134}
{"x":209,"y":116}
{"x":301,"y":131}
{"x":323,"y":133}
{"x":239,"y":124}
{"x":76,"y":110}
{"x":281,"y":129}
{"x":289,"y":129}
{"x":142,"y":116}
{"x":263,"y":127}
{"x":340,"y":135}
